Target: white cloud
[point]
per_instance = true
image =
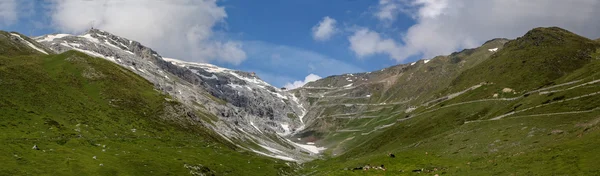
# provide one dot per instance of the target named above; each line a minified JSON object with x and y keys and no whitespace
{"x":296,"y":84}
{"x":325,"y":29}
{"x":365,"y":42}
{"x":387,"y":10}
{"x":8,"y":12}
{"x":444,"y":26}
{"x":431,"y":8}
{"x":177,"y":28}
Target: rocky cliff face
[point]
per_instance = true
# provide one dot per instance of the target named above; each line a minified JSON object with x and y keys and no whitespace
{"x":252,"y":114}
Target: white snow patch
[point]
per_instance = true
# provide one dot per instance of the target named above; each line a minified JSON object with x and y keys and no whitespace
{"x":75,"y":44}
{"x":427,"y":60}
{"x":251,"y":80}
{"x":272,"y":150}
{"x":413,"y":63}
{"x":310,"y":148}
{"x":286,"y":129}
{"x":252,"y":123}
{"x":235,"y":86}
{"x":244,"y":131}
{"x":302,"y":110}
{"x":349,"y":85}
{"x":275,"y":156}
{"x":95,"y":54}
{"x":90,"y":38}
{"x":119,"y":43}
{"x":110,"y":44}
{"x":29,"y":43}
{"x":100,"y":35}
{"x":284,"y":158}
{"x":207,"y":67}
{"x":50,"y":38}
{"x":493,"y":49}
{"x":368,"y":96}
{"x":279,"y":95}
{"x":310,"y":143}
{"x":208,"y":77}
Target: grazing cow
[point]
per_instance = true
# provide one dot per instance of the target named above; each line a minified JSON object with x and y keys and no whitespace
{"x":391,"y":155}
{"x":417,"y":170}
{"x":367,"y":167}
{"x":357,"y":168}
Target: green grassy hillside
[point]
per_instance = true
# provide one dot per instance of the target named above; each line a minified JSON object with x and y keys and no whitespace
{"x":88,"y":116}
{"x":11,"y":46}
{"x":531,"y":61}
{"x":347,"y":117}
{"x":546,"y":125}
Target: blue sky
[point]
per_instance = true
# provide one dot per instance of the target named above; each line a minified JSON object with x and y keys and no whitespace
{"x":283,"y":30}
{"x":276,"y":38}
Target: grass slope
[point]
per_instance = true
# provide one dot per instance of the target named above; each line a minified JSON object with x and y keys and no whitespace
{"x":550,"y":133}
{"x":399,"y":87}
{"x":531,"y":61}
{"x":91,"y":117}
{"x":10,"y":45}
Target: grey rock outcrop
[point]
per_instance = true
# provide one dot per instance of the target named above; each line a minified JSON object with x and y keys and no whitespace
{"x":249,"y":110}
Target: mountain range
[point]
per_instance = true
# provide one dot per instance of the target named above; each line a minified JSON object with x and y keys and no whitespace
{"x":101,"y":103}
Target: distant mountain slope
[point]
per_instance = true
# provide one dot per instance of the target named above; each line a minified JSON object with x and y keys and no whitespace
{"x":347,"y":109}
{"x":530,"y":107}
{"x":72,"y":114}
{"x":532,"y":61}
{"x":12,"y":44}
